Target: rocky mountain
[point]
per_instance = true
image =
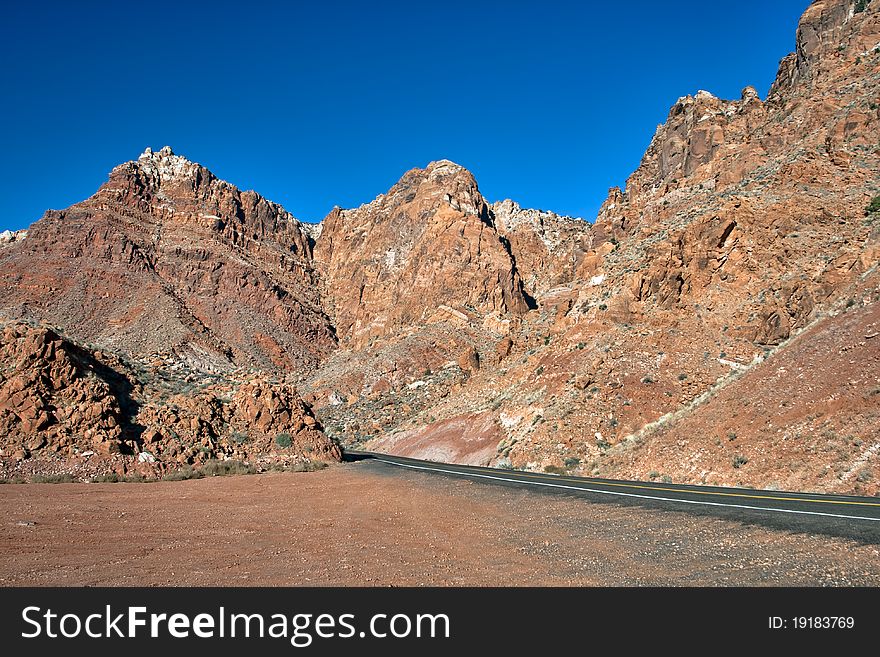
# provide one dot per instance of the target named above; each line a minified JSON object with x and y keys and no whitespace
{"x":167,"y":259}
{"x":425,"y":247}
{"x":690,"y":332}
{"x":742,"y":234}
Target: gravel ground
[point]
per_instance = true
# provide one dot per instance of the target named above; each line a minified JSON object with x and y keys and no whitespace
{"x":355,"y":525}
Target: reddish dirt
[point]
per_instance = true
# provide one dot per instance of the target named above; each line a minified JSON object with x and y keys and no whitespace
{"x":467,"y":439}
{"x":805,"y":419}
{"x":356,"y":525}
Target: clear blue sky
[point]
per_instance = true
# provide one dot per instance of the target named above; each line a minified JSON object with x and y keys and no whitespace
{"x":314,"y":104}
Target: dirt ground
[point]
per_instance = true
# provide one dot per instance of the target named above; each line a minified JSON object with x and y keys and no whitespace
{"x":354,"y":525}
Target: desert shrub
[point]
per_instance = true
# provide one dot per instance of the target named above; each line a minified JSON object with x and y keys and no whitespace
{"x":52,"y":479}
{"x":218,"y":468}
{"x":283,"y":440}
{"x":111,"y":478}
{"x":739,"y":460}
{"x":186,"y":472}
{"x":554,"y":469}
{"x":307,"y":466}
{"x":572,"y":462}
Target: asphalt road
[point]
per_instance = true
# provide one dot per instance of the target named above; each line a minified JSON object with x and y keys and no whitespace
{"x":856,"y":518}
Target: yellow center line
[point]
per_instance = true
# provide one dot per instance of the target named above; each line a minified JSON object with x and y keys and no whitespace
{"x":593,"y":482}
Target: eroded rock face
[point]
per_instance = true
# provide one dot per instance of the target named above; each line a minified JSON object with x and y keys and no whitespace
{"x":429,"y":242}
{"x":751,"y":208}
{"x":60,"y":399}
{"x":167,"y":258}
{"x":54,"y":396}
{"x":548,"y":248}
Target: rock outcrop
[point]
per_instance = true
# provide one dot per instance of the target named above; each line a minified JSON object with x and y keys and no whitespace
{"x":61,"y":400}
{"x":11,"y":237}
{"x":55,"y":396}
{"x":548,"y":248}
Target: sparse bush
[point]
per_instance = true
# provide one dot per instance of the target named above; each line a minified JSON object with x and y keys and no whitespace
{"x":647,"y":380}
{"x":218,"y":468}
{"x":186,"y":472}
{"x":540,"y":370}
{"x":239,"y":438}
{"x":111,"y":478}
{"x":739,"y":461}
{"x":666,"y":479}
{"x":572,"y":462}
{"x":682,"y":376}
{"x":873,"y":206}
{"x":653,"y":474}
{"x":308,"y":466}
{"x":283,"y":440}
{"x":865,"y":475}
{"x":554,"y":469}
{"x":52,"y":479}
{"x":731,"y":435}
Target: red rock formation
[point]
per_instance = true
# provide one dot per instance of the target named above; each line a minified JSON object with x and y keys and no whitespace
{"x":743,"y":225}
{"x":55,"y":396}
{"x":555,"y":340}
{"x":428,"y":243}
{"x":59,"y":399}
{"x":167,"y":258}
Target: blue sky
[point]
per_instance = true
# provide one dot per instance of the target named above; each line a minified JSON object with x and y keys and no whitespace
{"x":315,"y":104}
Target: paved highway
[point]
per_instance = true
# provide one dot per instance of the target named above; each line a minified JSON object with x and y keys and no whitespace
{"x":840,"y":515}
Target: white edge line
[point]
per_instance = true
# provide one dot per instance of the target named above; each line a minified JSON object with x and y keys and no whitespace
{"x":614,"y":492}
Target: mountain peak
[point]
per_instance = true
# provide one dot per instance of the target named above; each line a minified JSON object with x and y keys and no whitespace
{"x":165,"y":165}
